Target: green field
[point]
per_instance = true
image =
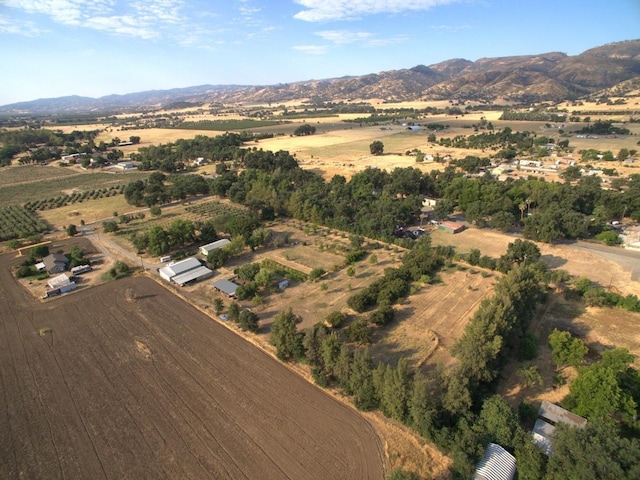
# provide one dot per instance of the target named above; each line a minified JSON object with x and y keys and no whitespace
{"x":20,"y":193}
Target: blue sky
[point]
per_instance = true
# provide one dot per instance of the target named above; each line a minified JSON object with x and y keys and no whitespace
{"x":54,"y":48}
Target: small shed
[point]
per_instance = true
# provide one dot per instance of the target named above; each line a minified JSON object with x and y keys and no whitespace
{"x":225,"y":286}
{"x":210,"y":247}
{"x":496,"y":464}
{"x":451,"y":227}
{"x":549,"y":415}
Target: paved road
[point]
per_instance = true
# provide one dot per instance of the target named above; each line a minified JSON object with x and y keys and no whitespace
{"x":627,"y":259}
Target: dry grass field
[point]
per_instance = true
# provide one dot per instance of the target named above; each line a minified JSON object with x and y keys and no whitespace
{"x":431,"y":320}
{"x":96,"y":386}
{"x":89,"y":211}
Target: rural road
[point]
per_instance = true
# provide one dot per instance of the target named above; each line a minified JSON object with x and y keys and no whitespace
{"x":628,"y":259}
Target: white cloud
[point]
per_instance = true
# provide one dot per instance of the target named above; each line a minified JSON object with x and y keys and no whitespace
{"x":325,"y":10}
{"x":25,"y":29}
{"x":311,"y":49}
{"x":139,"y":18}
{"x":367,"y":39}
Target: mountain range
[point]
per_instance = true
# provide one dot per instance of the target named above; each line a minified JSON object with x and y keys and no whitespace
{"x":612,"y":69}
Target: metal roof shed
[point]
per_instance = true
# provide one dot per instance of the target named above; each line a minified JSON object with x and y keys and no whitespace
{"x":194,"y":275}
{"x":210,"y":247}
{"x":225,"y":286}
{"x":496,"y":464}
{"x":178,"y":268}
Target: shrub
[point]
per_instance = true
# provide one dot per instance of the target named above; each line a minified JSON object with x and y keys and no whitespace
{"x":336,"y":319}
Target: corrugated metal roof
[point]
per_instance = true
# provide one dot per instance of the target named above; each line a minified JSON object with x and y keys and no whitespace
{"x":199,"y":273}
{"x":225,"y":286}
{"x":496,"y":464}
{"x":180,"y":267}
{"x":554,"y":414}
{"x":215,"y":245}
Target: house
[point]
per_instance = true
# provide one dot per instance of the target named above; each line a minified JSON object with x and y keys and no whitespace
{"x":210,"y":247}
{"x":200,"y":161}
{"x":496,"y":464}
{"x":186,"y":271}
{"x":55,"y":263}
{"x":429,"y":202}
{"x":225,"y":286}
{"x":549,"y":415}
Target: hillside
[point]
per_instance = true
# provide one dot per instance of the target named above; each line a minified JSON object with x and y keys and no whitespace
{"x":550,"y":76}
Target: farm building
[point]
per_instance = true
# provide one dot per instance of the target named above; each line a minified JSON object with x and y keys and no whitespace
{"x":210,"y":247}
{"x":185,"y":271}
{"x":496,"y":464}
{"x":225,"y":286}
{"x":56,"y":263}
{"x":58,"y":281}
{"x":549,"y":415}
{"x":451,"y":227}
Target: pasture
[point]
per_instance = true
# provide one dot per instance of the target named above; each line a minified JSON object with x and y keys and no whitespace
{"x":180,"y":396}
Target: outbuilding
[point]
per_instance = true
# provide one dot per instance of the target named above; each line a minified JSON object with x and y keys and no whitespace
{"x":225,"y":286}
{"x":549,"y":415}
{"x":496,"y":464}
{"x":185,"y":271}
{"x":451,"y":227}
{"x":210,"y":247}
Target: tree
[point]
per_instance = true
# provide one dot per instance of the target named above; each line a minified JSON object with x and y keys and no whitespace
{"x":566,"y":349}
{"x":499,"y":421}
{"x":285,"y":336}
{"x":336,"y":319}
{"x":305,"y":129}
{"x":595,"y":452}
{"x":71,"y":230}
{"x":595,"y":394}
{"x":376,"y":148}
{"x":39,"y":251}
{"x":248,"y":321}
{"x":234,"y":312}
{"x":218,"y":305}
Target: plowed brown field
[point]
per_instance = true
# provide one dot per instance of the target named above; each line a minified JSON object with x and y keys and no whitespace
{"x":97,"y":387}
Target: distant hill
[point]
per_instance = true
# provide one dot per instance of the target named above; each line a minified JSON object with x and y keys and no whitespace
{"x":550,"y":76}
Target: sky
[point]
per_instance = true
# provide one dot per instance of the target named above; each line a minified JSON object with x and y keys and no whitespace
{"x":93,"y":48}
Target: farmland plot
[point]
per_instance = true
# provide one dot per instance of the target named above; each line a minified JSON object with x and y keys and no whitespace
{"x":429,"y":323}
{"x":98,"y":387}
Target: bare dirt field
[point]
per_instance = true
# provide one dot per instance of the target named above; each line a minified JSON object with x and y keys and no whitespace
{"x":98,"y":387}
